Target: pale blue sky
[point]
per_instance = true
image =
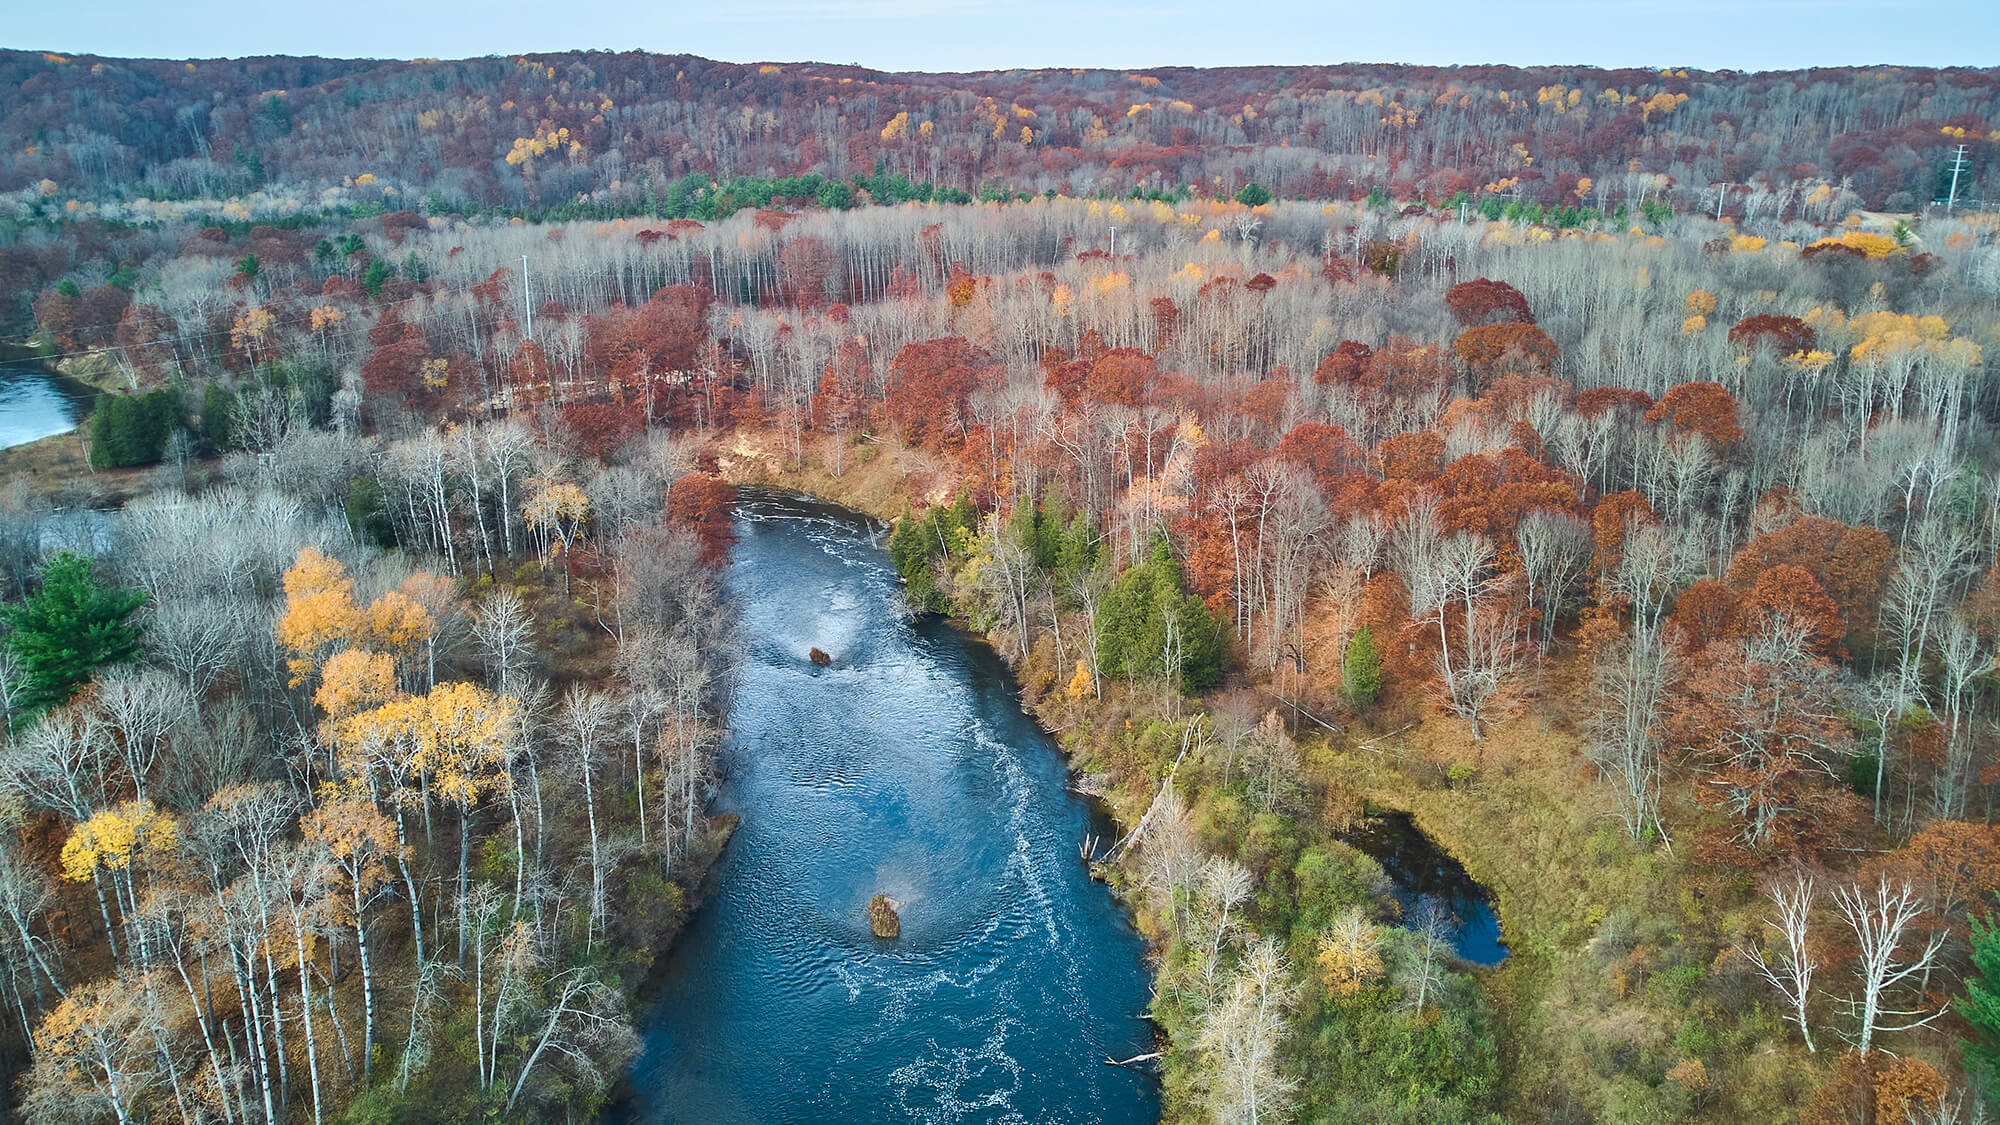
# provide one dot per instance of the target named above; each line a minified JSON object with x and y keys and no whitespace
{"x":995,"y":34}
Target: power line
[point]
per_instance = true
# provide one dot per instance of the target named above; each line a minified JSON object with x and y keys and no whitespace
{"x":1958,"y":165}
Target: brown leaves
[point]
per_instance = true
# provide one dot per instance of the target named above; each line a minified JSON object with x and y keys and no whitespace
{"x":1699,"y":408}
{"x":1513,"y":346}
{"x":1480,"y":301}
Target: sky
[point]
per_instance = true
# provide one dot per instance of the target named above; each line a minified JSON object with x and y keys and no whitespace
{"x":956,"y":35}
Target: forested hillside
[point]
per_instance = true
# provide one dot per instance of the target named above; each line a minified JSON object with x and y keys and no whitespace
{"x":603,"y":134}
{"x":1648,"y":558}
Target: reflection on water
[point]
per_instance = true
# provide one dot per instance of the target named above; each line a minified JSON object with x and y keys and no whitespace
{"x":907,"y":767}
{"x":1423,"y":874}
{"x":32,"y":406}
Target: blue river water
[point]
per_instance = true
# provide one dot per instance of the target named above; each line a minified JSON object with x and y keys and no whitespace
{"x":907,"y":767}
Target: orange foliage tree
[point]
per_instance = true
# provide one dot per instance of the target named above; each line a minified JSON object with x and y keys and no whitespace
{"x":1491,"y":346}
{"x":1699,"y":408}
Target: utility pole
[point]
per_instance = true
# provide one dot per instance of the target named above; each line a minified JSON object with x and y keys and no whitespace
{"x":527,"y":302}
{"x":1957,"y":166}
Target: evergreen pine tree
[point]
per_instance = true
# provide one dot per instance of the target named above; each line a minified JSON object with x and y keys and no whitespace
{"x":68,"y":628}
{"x":1981,"y":1008}
{"x":911,"y":547}
{"x":1361,"y":670}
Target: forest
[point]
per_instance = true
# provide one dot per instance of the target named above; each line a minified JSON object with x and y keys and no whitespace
{"x":1574,"y":460}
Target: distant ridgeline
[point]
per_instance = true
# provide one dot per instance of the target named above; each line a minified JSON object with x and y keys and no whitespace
{"x":598,"y":135}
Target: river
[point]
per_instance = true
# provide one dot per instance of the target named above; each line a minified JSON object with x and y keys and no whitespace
{"x":907,"y":767}
{"x":33,"y":404}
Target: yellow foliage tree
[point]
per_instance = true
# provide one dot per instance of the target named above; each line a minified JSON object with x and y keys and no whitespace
{"x":319,"y":611}
{"x":396,"y":622}
{"x":1350,"y":957}
{"x":112,"y":839}
{"x":355,"y":680}
{"x":555,"y":514}
{"x":1081,"y":683}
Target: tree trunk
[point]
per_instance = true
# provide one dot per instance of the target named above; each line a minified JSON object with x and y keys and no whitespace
{"x":367,"y":985}
{"x":306,"y":1012}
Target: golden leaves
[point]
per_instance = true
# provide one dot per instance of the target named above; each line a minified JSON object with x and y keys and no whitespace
{"x":355,"y":680}
{"x":111,"y":839}
{"x":1875,"y":246}
{"x":319,"y":610}
{"x":434,"y":374}
{"x":1080,"y":684}
{"x":251,"y":328}
{"x":457,"y":736}
{"x":556,"y":503}
{"x":1349,"y":954}
{"x":321,"y":614}
{"x":546,"y":139}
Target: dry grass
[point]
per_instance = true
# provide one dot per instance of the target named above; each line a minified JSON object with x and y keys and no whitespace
{"x":55,"y":471}
{"x":881,"y":478}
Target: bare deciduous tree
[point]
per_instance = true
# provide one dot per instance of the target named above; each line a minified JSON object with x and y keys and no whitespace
{"x":1881,"y":920}
{"x":1789,"y":969}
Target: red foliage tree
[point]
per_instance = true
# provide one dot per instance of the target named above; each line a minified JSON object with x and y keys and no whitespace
{"x":1610,"y":520}
{"x":1415,"y":456}
{"x":600,"y":429}
{"x":1346,"y":364}
{"x":1760,"y":722}
{"x":1787,"y":596}
{"x":804,"y":266}
{"x":665,"y":334}
{"x":1481,"y":301}
{"x":1488,"y":493}
{"x":929,"y":383}
{"x":1851,"y":564}
{"x":1597,"y":400}
{"x":700,"y":502}
{"x":1324,"y":451}
{"x":1786,"y":335}
{"x":1706,"y":612}
{"x":396,"y":365}
{"x":1122,"y":377}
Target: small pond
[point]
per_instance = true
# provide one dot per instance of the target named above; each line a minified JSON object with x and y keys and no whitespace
{"x":1423,"y":872}
{"x":34,"y":403}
